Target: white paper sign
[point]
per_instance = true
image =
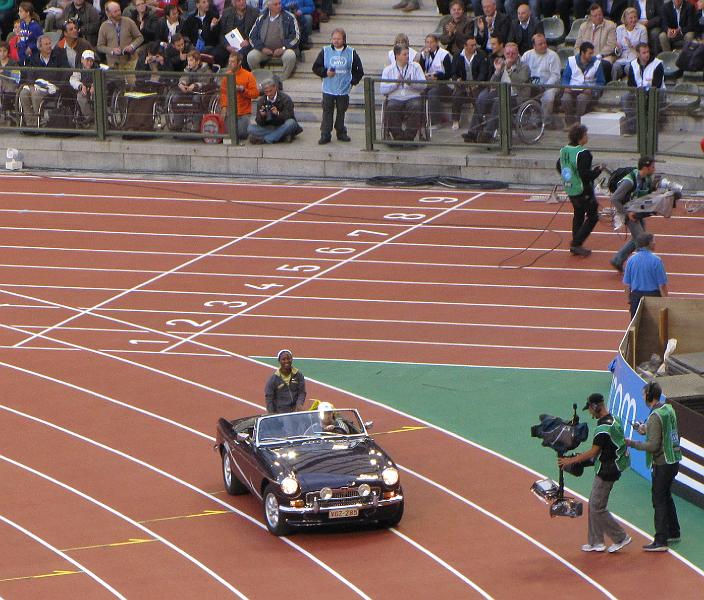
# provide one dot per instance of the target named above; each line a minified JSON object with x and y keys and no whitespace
{"x":234,"y":38}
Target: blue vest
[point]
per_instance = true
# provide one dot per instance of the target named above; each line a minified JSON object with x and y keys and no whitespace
{"x":341,"y":61}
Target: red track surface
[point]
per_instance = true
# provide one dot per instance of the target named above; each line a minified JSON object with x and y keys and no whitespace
{"x":120,"y":350}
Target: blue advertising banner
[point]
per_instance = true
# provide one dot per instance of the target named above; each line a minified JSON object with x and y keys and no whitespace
{"x":626,"y":402}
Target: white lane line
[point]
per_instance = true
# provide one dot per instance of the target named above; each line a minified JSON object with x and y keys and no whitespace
{"x":322,"y":272}
{"x":231,"y":242}
{"x":122,"y":516}
{"x":482,"y":592}
{"x":63,"y":555}
{"x":191,"y":487}
{"x":515,"y":530}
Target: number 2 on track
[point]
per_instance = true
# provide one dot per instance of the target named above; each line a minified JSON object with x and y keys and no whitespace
{"x":191,"y":322}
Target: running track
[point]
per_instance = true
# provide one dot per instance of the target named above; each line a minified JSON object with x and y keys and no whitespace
{"x":129,"y":309}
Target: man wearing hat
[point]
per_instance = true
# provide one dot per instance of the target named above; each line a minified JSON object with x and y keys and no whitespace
{"x":82,"y":82}
{"x":663,"y":456}
{"x":609,"y":455}
{"x":286,"y":389}
{"x":639,"y":182}
{"x":645,"y":273}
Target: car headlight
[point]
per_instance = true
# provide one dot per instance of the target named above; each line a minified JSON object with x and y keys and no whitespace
{"x":390,"y":476}
{"x":364,"y":490}
{"x":289,"y":486}
{"x":325,"y":493}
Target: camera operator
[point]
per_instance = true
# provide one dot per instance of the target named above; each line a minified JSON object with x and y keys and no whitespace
{"x":275,"y":120}
{"x":637,"y":183}
{"x":610,"y":457}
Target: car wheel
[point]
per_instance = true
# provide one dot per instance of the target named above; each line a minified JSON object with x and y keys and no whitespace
{"x":233,"y":486}
{"x":395,"y":519}
{"x":275,"y":520}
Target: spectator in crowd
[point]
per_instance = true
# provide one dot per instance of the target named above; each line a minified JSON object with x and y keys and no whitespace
{"x":636,"y":184}
{"x":628,"y":36}
{"x":87,"y":17}
{"x":497,"y":51}
{"x":240,"y":16}
{"x":166,"y":27}
{"x":30,"y":30}
{"x":404,"y":95}
{"x":436,"y":63}
{"x":54,"y":11}
{"x":525,"y":26}
{"x":340,"y":67}
{"x":699,"y":21}
{"x":83,"y":82}
{"x":649,"y":16}
{"x":303,"y":11}
{"x":13,"y":40}
{"x":601,"y":33}
{"x":154,"y":60}
{"x":274,"y":35}
{"x":118,"y":39}
{"x":456,"y":29}
{"x":275,"y":120}
{"x":582,"y":71}
{"x":677,"y":24}
{"x":325,"y":9}
{"x":575,"y":168}
{"x":201,"y":27}
{"x":402,"y":40}
{"x":490,"y":24}
{"x":32,"y":93}
{"x":544,"y":65}
{"x":644,"y":72}
{"x":9,"y":79}
{"x":192,"y":80}
{"x":144,"y":17}
{"x":510,"y":70}
{"x":645,"y":276}
{"x":176,"y":52}
{"x":467,"y":66}
{"x":285,"y":391}
{"x":246,"y":90}
{"x":73,"y":44}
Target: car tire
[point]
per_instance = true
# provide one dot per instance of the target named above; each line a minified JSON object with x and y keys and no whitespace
{"x":233,"y":486}
{"x":395,"y":519}
{"x":275,"y":520}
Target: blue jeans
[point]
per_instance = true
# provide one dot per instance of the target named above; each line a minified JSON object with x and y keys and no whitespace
{"x":271,"y":133}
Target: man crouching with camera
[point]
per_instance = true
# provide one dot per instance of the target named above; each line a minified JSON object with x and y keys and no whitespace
{"x":275,"y":120}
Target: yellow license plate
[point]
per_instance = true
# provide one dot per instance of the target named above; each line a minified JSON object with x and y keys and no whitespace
{"x":341,"y":513}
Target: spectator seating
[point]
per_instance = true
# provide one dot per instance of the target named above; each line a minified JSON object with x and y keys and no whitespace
{"x":571,"y":37}
{"x":554,"y":30}
{"x":669,"y":63}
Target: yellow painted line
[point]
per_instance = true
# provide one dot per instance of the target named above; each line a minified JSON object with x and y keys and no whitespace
{"x":43,"y":575}
{"x":403,"y":429}
{"x":205,"y":513}
{"x":129,"y":542}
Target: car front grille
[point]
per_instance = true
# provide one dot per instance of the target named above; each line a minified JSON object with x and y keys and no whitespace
{"x":342,"y":497}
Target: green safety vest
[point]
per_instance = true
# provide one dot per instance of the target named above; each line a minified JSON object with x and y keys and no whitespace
{"x":670,"y":436}
{"x":615,"y":432}
{"x":568,"y":170}
{"x":644,"y":189}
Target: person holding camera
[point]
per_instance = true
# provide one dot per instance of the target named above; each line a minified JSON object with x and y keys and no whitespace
{"x":275,"y":120}
{"x":118,"y":38}
{"x":610,"y":458}
{"x":663,"y":456}
{"x":340,"y":67}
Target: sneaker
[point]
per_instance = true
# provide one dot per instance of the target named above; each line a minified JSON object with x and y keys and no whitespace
{"x":455,"y":124}
{"x":616,"y":265}
{"x":618,"y":545}
{"x":655,"y":547}
{"x":580,"y":251}
{"x":594,"y":548}
{"x":343,"y":137}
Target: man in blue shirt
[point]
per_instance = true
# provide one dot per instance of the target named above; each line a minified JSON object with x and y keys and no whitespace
{"x":645,"y":274}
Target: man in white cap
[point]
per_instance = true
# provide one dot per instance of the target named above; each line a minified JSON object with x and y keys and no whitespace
{"x":82,"y":82}
{"x":286,"y":389}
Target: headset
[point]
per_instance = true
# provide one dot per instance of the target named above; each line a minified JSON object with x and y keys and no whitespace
{"x":653,"y":391}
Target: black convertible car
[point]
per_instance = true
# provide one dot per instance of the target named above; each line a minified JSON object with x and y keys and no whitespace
{"x":310,"y":468}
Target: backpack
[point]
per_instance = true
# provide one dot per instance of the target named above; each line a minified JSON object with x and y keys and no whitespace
{"x":616,"y":176}
{"x":691,"y":57}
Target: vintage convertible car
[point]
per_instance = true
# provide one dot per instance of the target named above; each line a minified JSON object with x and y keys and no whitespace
{"x":310,"y":469}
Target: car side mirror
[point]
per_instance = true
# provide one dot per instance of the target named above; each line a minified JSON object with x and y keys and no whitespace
{"x":369,"y":424}
{"x":242,"y":437}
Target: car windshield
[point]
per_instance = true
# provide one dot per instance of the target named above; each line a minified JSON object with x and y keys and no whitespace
{"x":290,"y":426}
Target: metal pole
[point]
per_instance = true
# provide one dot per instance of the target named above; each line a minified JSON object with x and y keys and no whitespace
{"x":642,"y":121}
{"x":653,"y":114}
{"x":100,"y":103}
{"x":505,"y":118}
{"x":369,"y":114}
{"x":232,"y":109}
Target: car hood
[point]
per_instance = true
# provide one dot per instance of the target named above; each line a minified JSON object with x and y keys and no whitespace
{"x":333,"y":463}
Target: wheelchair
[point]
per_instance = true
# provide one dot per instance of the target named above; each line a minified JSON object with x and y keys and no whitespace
{"x":55,"y":110}
{"x":424,"y":133}
{"x":185,"y":111}
{"x":527,"y":118}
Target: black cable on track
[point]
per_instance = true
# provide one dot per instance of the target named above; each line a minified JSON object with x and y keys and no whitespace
{"x":444,"y":180}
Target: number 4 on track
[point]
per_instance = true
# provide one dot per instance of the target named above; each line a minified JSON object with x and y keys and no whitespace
{"x":263,"y":286}
{"x":358,"y":232}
